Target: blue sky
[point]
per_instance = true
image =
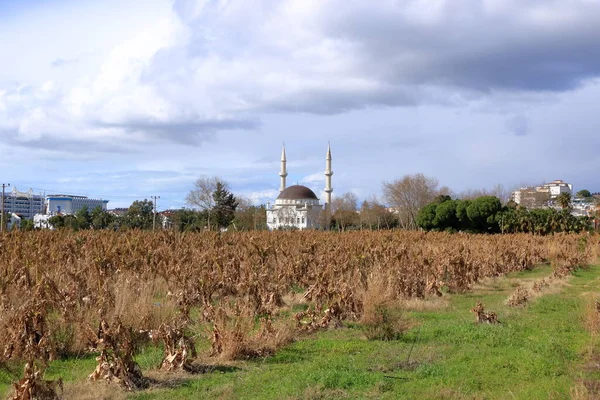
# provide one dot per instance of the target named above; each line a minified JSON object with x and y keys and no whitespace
{"x":124,"y":100}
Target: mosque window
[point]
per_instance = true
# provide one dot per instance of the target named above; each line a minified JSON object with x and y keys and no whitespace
{"x":303,"y":220}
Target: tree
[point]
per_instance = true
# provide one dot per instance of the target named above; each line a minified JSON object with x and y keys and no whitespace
{"x":139,"y":215}
{"x":57,"y":221}
{"x":445,"y":216}
{"x":189,"y":220}
{"x":344,"y":210}
{"x":426,"y":217}
{"x":249,"y":216}
{"x":482,"y":212}
{"x":101,"y":219}
{"x":541,"y":221}
{"x":409,"y":194}
{"x":83,"y":219}
{"x":564,"y":200}
{"x":464,"y":223}
{"x":497,"y":191}
{"x":202,"y":195}
{"x":225,"y":205}
{"x":584,"y":193}
{"x":27,"y":225}
{"x":64,"y":221}
{"x":373,"y":214}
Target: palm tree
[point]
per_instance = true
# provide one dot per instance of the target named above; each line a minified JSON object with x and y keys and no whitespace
{"x":564,"y":200}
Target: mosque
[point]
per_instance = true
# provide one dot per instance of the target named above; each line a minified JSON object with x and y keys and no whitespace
{"x":298,"y":207}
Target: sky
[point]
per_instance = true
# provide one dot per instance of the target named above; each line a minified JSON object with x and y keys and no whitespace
{"x":125,"y":100}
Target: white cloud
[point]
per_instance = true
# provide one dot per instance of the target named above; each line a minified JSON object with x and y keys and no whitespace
{"x":209,"y":87}
{"x":261,"y":196}
{"x":211,"y":66}
{"x":317,"y":177}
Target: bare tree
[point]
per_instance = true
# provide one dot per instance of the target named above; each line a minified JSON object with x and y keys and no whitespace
{"x":344,"y":210}
{"x":374,"y":215}
{"x":201,"y":196}
{"x":249,"y":216}
{"x":409,"y":194}
{"x":498,"y":191}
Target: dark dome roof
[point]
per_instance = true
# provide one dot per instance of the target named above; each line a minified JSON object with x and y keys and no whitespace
{"x":297,"y":192}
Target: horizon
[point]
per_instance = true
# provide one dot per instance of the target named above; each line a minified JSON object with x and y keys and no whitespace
{"x":126,"y":101}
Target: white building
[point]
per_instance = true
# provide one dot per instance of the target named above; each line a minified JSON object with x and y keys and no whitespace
{"x":42,"y":221}
{"x":14,"y":222}
{"x":297,"y":206}
{"x":23,"y":204}
{"x":539,"y":196}
{"x":66,"y":204}
{"x":557,"y":187}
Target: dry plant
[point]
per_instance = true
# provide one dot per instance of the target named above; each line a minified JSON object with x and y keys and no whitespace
{"x":481,"y":316}
{"x":178,"y":347}
{"x":115,"y":362}
{"x":519,"y":297}
{"x":586,"y":390}
{"x":26,"y":337}
{"x":382,"y":318}
{"x":237,"y":339}
{"x":565,"y":260}
{"x":235,"y":283}
{"x":32,"y":386}
{"x":592,"y":317}
{"x":540,"y":285}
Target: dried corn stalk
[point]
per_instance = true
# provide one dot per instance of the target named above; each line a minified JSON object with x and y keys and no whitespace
{"x":481,"y":316}
{"x":178,"y":347}
{"x":32,"y":386}
{"x":115,"y":362}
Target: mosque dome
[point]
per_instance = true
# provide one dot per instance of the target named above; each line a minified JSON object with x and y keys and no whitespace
{"x":297,"y":192}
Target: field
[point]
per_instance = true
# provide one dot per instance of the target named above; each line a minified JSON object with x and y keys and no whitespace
{"x":299,"y":315}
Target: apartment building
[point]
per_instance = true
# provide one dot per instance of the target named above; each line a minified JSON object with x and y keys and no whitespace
{"x":23,"y":204}
{"x":69,"y":204}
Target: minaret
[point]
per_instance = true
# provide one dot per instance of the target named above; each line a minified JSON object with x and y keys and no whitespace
{"x":283,"y":173}
{"x":328,"y":188}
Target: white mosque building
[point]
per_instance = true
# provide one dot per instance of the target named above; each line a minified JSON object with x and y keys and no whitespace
{"x":298,"y":207}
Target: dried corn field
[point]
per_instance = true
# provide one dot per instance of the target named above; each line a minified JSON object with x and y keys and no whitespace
{"x":64,"y":293}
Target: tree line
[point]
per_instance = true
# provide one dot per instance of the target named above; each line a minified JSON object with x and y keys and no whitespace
{"x":486,"y":214}
{"x":215,"y":208}
{"x":413,"y":202}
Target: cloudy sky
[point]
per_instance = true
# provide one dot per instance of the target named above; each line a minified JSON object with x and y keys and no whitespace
{"x":128,"y":99}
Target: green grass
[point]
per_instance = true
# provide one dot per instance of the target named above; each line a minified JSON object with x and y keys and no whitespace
{"x":537,"y":352}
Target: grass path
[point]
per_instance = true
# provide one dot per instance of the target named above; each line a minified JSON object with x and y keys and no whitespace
{"x":537,"y":352}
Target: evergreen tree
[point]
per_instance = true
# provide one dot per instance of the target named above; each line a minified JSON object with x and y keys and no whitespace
{"x":83,"y":219}
{"x":101,"y":219}
{"x":139,"y":215}
{"x":190,"y":220}
{"x":225,"y":206}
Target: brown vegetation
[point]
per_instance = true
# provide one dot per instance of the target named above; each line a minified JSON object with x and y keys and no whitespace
{"x":63,"y":293}
{"x":481,"y":316}
{"x":519,"y":297}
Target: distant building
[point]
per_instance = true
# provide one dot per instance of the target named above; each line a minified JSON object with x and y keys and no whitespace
{"x":42,"y":221}
{"x":165,"y":218}
{"x":67,"y":204}
{"x":532,"y":197}
{"x":297,"y":206}
{"x":541,"y":196}
{"x":14,"y":222}
{"x":24,"y":204}
{"x":119,"y":211}
{"x":557,"y":187}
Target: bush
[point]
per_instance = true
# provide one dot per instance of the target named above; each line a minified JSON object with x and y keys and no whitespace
{"x":381,"y":319}
{"x":384,"y":322}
